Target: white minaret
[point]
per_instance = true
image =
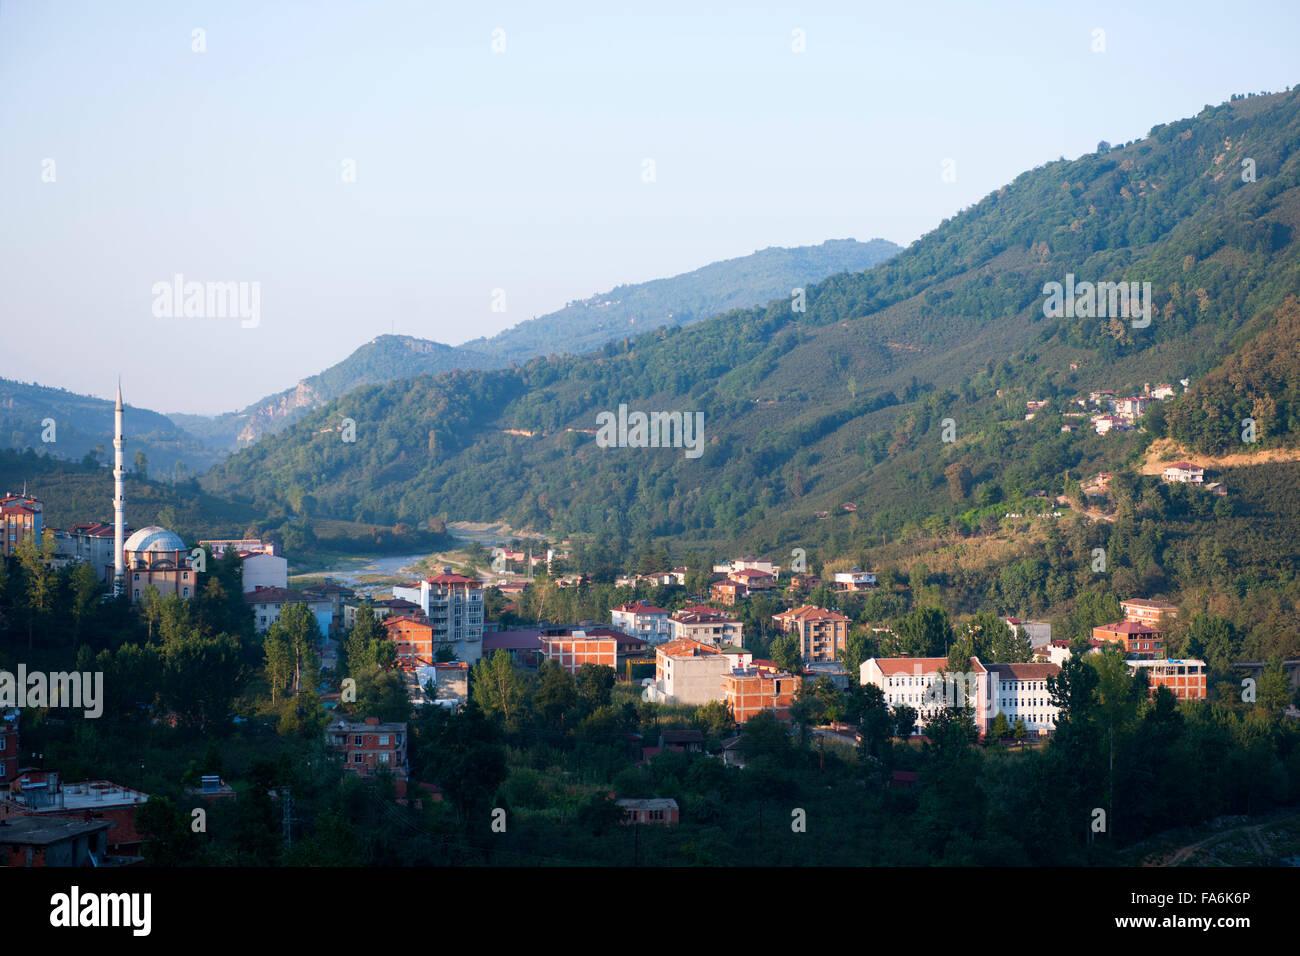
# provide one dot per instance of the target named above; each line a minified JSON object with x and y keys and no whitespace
{"x":119,"y":497}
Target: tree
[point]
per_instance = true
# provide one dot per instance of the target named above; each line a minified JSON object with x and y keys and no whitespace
{"x":141,"y":465}
{"x":496,"y":687}
{"x":555,"y":694}
{"x":595,"y":683}
{"x":926,"y":632}
{"x":291,"y":659}
{"x":1274,"y":689}
{"x":42,"y":581}
{"x":716,"y":720}
{"x":784,"y":652}
{"x":764,"y":735}
{"x":904,"y":721}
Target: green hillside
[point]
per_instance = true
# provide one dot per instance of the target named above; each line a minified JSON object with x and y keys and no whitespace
{"x":578,"y":327}
{"x":83,"y":424}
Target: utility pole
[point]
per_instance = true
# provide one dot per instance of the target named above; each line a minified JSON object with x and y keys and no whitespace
{"x":636,"y":842}
{"x":288,"y":811}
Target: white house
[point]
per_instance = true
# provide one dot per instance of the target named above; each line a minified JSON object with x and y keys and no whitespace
{"x":267,"y":604}
{"x":854,"y":580}
{"x":641,"y":619}
{"x":1186,"y":472}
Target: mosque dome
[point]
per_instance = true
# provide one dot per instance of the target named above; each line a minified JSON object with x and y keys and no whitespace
{"x":154,"y":538}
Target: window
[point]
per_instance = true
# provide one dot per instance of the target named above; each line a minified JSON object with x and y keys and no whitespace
{"x":356,"y":758}
{"x":356,"y":741}
{"x":383,"y":740}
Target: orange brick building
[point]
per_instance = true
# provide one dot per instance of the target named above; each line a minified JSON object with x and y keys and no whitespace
{"x":414,"y":639}
{"x":1151,"y":613}
{"x":760,"y":686}
{"x":1184,"y":677}
{"x":368,"y":747}
{"x":20,"y":519}
{"x":1138,"y":640}
{"x":576,"y":648}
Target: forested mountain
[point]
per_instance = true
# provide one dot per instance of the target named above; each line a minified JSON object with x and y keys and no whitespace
{"x":579,"y":327}
{"x":84,"y":425}
{"x":843,"y":402}
{"x":720,"y":287}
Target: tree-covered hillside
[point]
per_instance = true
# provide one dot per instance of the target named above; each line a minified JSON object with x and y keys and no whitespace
{"x":577,"y":328}
{"x":844,"y":402}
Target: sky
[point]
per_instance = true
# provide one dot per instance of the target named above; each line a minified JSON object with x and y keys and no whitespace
{"x":379,"y":167}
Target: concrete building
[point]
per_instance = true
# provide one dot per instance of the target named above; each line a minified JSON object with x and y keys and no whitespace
{"x":1184,"y":472}
{"x":524,"y":646}
{"x":53,"y":841}
{"x":264,"y":570}
{"x":219,"y":546}
{"x":822,"y":634}
{"x":453,"y":604}
{"x":1038,"y":632}
{"x":748,"y":564}
{"x":40,"y":793}
{"x":854,"y":580}
{"x":10,"y":741}
{"x":661,"y":810}
{"x":91,"y":542}
{"x":414,"y":639}
{"x":691,"y":672}
{"x":1020,"y":691}
{"x":1150,"y":613}
{"x":572,"y":649}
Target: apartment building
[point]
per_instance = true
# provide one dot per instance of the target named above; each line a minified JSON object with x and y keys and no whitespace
{"x":1137,"y":640}
{"x":822,"y":633}
{"x":370,"y":746}
{"x":572,"y":649}
{"x":1150,"y":613}
{"x":641,"y":619}
{"x":453,"y":604}
{"x":706,"y":624}
{"x":761,"y":685}
{"x":691,"y":672}
{"x":20,"y":520}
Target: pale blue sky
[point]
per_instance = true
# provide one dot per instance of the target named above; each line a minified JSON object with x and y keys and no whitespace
{"x":520,"y":170}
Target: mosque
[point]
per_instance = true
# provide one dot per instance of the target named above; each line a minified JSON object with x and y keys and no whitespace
{"x":152,"y":556}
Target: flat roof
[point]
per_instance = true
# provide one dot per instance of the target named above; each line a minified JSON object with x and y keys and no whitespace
{"x":44,"y":830}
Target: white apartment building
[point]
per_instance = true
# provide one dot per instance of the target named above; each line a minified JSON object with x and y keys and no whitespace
{"x":706,"y":624}
{"x":641,"y":619}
